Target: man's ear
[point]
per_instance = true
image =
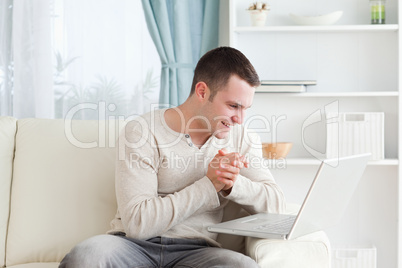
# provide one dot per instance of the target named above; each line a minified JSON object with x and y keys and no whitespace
{"x":202,"y":91}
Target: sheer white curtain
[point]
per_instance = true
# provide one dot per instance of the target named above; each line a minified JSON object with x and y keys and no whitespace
{"x":6,"y":66}
{"x":81,"y":57}
{"x":32,"y":54}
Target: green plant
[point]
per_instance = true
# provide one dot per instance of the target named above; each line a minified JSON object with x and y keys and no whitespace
{"x":148,"y":86}
{"x":62,"y":88}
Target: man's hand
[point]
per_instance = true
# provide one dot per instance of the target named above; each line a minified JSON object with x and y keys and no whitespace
{"x":224,"y":168}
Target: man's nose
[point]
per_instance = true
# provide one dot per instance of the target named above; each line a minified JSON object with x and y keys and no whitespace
{"x":239,"y":117}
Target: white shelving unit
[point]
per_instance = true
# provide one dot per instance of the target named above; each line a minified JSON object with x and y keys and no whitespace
{"x":318,"y":29}
{"x":312,"y":162}
{"x":357,"y":66}
{"x":335,"y":94}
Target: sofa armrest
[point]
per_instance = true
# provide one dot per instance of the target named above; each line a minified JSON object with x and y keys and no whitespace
{"x":309,"y":251}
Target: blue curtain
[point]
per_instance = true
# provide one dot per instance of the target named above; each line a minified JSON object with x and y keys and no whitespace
{"x":182,"y":30}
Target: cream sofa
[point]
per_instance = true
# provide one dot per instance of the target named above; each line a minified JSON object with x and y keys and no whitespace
{"x":57,"y":189}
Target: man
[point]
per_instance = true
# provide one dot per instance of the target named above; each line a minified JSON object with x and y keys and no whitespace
{"x":178,"y":168}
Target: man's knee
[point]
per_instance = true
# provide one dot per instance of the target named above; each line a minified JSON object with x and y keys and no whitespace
{"x":235,"y":259}
{"x":218,"y":257}
{"x":94,"y":250}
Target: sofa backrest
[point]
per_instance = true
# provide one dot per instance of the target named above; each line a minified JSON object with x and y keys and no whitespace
{"x":62,"y":187}
{"x":62,"y":192}
{"x":8,"y":127}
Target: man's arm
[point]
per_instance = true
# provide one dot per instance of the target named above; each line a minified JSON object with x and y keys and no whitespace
{"x":143,"y":212}
{"x":254,"y":187}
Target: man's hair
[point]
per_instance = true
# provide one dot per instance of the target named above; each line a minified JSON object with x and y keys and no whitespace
{"x":218,"y":65}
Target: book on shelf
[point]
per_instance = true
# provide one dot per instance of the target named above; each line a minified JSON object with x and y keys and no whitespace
{"x":289,"y":82}
{"x":285,"y":86}
{"x":281,"y":88}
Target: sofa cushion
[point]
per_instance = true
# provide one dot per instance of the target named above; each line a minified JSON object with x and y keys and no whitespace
{"x":8,"y":126}
{"x":62,"y":193}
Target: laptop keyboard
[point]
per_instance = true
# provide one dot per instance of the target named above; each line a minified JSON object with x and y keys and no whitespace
{"x":281,"y":227}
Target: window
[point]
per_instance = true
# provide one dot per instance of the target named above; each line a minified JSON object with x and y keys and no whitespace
{"x":101,"y":59}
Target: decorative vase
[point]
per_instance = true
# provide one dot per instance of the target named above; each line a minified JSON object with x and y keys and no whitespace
{"x":258,"y":17}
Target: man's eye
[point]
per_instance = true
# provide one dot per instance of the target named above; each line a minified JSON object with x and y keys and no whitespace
{"x":233,"y":105}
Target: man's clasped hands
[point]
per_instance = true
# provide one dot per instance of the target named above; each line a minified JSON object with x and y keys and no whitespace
{"x":224,"y":168}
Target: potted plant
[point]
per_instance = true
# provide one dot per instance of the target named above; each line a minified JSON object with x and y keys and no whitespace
{"x":258,"y":13}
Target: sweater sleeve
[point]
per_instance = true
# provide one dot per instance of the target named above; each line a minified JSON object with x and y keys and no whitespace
{"x":143,"y":212}
{"x":255,"y":188}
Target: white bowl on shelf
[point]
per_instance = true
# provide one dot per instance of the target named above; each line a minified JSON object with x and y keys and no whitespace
{"x":326,"y":19}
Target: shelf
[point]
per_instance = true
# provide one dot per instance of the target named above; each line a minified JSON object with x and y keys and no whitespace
{"x":358,"y":65}
{"x":313,"y":162}
{"x":336,"y":94}
{"x":331,"y":28}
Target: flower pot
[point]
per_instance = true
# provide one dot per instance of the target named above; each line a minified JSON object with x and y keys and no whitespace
{"x":258,"y":17}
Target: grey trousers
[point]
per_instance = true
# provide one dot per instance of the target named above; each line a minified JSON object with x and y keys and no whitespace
{"x":120,"y":252}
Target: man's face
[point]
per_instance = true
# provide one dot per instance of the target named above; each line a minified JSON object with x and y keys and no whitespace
{"x":228,"y":107}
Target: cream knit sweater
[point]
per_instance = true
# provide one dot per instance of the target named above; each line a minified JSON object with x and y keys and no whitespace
{"x":161,"y":183}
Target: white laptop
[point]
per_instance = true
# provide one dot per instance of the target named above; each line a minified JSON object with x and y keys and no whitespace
{"x":324,"y":205}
